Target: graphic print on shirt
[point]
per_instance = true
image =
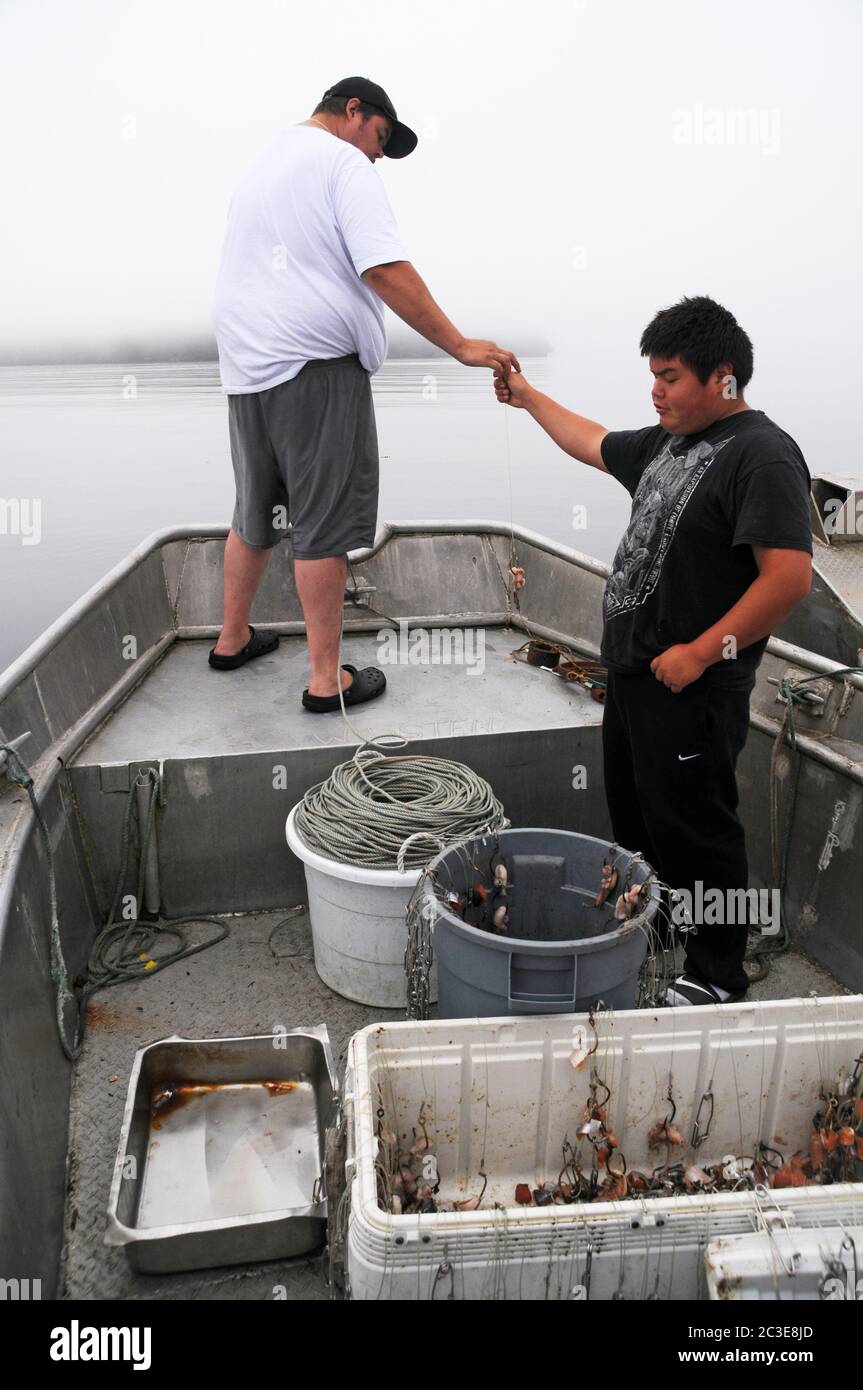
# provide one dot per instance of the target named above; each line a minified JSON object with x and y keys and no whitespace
{"x":663,"y":490}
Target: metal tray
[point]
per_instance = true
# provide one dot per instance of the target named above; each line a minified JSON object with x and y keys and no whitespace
{"x":221,"y":1152}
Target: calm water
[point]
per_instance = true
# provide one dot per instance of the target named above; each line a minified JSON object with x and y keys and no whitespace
{"x":95,"y":458}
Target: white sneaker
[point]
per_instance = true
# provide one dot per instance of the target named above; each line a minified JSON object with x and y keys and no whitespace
{"x":688,"y":990}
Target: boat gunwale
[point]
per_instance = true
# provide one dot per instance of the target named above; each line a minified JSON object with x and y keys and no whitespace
{"x":25,"y":664}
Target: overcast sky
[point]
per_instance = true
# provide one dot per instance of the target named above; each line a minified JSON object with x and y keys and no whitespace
{"x":581,"y":162}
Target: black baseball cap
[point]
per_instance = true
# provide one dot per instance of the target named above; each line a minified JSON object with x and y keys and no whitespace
{"x":402,"y":139}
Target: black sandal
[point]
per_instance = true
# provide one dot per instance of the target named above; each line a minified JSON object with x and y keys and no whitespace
{"x":259,"y":644}
{"x":366,"y":685}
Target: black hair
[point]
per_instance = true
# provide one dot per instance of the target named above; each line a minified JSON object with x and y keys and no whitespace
{"x":336,"y":106}
{"x":703,"y":335}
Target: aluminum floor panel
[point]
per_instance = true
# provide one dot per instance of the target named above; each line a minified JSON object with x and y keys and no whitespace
{"x":183,"y":709}
{"x":242,"y":986}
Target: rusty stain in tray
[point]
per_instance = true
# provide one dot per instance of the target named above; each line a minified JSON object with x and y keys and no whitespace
{"x":173,"y":1095}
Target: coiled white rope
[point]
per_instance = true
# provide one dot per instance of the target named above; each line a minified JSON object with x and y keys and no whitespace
{"x":381,"y":812}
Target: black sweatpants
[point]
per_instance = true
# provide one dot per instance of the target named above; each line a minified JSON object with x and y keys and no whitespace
{"x":672,"y":793}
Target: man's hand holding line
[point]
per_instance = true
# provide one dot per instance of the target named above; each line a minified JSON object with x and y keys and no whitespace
{"x":483,"y":352}
{"x":575,"y":434}
{"x":405,"y":292}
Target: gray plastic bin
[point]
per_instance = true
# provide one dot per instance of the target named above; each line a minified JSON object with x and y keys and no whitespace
{"x":560,"y":955}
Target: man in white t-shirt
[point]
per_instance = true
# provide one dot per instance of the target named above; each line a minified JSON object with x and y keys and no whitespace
{"x":311,"y":255}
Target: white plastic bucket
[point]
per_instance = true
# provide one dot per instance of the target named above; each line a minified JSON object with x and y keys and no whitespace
{"x":358,"y":925}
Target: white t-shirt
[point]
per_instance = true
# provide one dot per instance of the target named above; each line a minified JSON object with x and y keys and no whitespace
{"x":303,"y":225}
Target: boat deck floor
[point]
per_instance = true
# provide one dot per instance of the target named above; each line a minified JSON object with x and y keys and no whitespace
{"x":184,"y":709}
{"x":262,"y":976}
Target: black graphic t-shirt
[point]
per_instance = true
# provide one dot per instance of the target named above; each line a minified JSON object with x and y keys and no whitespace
{"x":700,"y":502}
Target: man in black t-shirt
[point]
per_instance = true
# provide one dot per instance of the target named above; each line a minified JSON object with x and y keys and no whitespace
{"x":716,"y":555}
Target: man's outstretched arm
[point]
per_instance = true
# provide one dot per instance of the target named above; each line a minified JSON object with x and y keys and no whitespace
{"x":404,"y":291}
{"x":575,"y":434}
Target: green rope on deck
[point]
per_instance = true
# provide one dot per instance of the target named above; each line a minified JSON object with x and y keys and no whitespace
{"x":125,"y":949}
{"x":129,"y":949}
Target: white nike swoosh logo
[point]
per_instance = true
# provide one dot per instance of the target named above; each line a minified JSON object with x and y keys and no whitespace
{"x":682,"y":759}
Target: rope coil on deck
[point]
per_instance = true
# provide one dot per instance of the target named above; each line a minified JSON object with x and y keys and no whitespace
{"x":370,"y":805}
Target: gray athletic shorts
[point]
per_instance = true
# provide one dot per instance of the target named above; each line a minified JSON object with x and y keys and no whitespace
{"x":306,"y":452}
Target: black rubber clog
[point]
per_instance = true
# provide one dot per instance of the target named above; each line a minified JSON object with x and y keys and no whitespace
{"x":366,"y":685}
{"x":259,"y":644}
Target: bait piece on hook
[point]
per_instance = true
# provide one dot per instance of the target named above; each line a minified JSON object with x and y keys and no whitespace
{"x":695,"y":1178}
{"x":500,"y":920}
{"x":663,"y":1133}
{"x":467,"y":1204}
{"x":627,"y":903}
{"x":790,"y":1173}
{"x":577,"y":1058}
{"x":608,"y":881}
{"x":500,"y":877}
{"x":614,"y":1189}
{"x":523,"y":1195}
